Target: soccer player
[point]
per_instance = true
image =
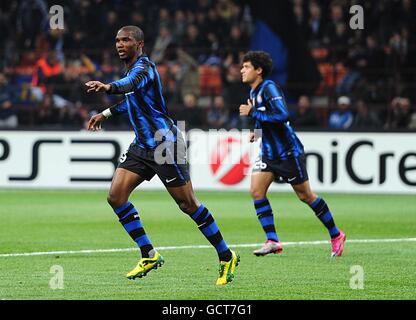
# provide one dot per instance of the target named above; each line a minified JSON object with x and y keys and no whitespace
{"x":282,"y":155}
{"x":156,"y":149}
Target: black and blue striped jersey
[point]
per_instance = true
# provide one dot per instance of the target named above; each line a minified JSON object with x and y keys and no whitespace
{"x":270,"y":113}
{"x":144,"y":104}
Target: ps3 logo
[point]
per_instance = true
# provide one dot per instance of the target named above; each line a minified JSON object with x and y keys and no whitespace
{"x":41,"y":143}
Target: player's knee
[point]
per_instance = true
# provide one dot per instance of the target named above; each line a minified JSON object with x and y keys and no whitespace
{"x":257,"y":194}
{"x":306,"y":197}
{"x":187,"y":206}
{"x":115,"y":200}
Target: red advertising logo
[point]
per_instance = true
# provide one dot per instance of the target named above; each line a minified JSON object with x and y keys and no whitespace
{"x":228,"y":164}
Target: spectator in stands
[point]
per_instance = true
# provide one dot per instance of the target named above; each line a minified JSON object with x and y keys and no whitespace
{"x":211,"y":54}
{"x":201,"y":21}
{"x":336,"y":16}
{"x":179,"y":27}
{"x":234,"y":91}
{"x":188,"y":76}
{"x":305,"y":116}
{"x":336,"y":33}
{"x":190,"y":18}
{"x":300,"y":16}
{"x":6,"y":91}
{"x":75,"y":41}
{"x":349,"y":81}
{"x":8,"y":115}
{"x":137,"y":18}
{"x":228,"y":11}
{"x":342,"y":118}
{"x":399,"y":114}
{"x":191,"y":113}
{"x":193,"y":42}
{"x":235,"y":44}
{"x":55,"y":42}
{"x":47,"y":114}
{"x":373,"y":60}
{"x":5,"y":28}
{"x":162,"y":42}
{"x":73,"y":116}
{"x":216,"y":24}
{"x":45,"y":71}
{"x":380,"y":60}
{"x":106,"y":34}
{"x":165,"y":19}
{"x":366,"y":118}
{"x":315,"y":26}
{"x":218,"y":114}
{"x":399,"y":45}
{"x":68,"y":86}
{"x":31,"y":20}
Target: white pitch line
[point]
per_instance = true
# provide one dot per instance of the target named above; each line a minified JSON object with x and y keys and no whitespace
{"x":245,"y":245}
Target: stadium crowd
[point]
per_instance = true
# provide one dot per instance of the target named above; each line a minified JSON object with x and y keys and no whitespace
{"x":368,"y":76}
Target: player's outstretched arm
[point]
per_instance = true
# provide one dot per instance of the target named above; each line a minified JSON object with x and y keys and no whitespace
{"x":137,"y":78}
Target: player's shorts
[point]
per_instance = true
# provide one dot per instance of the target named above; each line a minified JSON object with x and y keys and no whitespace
{"x":173,"y":173}
{"x":292,"y":170}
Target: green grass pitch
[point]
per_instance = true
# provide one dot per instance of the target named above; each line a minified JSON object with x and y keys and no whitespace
{"x":41,"y":221}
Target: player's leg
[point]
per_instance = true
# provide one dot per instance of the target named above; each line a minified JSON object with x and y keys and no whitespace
{"x":322,"y":212}
{"x":187,"y":202}
{"x":124,"y":182}
{"x":260,"y":183}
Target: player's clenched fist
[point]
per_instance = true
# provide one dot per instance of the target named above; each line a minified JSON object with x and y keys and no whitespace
{"x":245,"y":108}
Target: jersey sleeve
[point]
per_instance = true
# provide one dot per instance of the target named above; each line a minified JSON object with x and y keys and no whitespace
{"x":137,"y":78}
{"x":119,"y":108}
{"x":276,"y":110}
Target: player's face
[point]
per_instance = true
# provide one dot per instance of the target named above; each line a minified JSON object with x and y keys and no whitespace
{"x":126,"y":45}
{"x":248,"y":73}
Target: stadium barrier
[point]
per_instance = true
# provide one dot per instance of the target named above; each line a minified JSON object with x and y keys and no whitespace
{"x":219,"y":160}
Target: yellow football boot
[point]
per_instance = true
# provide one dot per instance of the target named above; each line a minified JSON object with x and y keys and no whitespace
{"x":145,"y":265}
{"x":227,"y":268}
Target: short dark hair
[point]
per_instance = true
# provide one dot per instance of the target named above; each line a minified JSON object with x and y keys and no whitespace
{"x":260,"y":59}
{"x":136,"y":32}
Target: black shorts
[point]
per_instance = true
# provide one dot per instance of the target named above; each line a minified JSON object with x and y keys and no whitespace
{"x":173,"y":173}
{"x":292,"y":170}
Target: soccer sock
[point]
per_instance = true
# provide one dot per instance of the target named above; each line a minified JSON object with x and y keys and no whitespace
{"x":321,"y":210}
{"x":209,"y":228}
{"x":130,"y":220}
{"x":265,"y":216}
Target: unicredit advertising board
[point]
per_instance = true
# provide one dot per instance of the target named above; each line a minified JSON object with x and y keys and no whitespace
{"x":219,"y":160}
